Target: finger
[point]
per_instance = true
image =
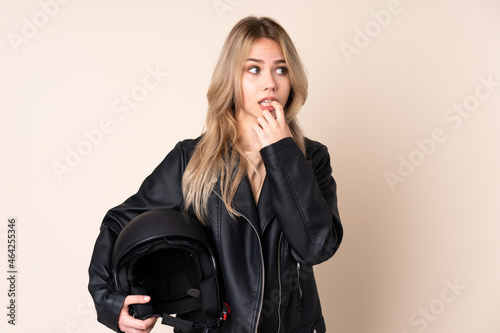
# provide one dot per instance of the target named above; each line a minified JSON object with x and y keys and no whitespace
{"x":264,"y":120}
{"x":127,"y":323}
{"x":268,"y":117}
{"x":146,"y":324}
{"x":130,"y":324}
{"x":140,"y":324}
{"x":278,"y":110}
{"x":138,"y":329}
{"x":136,"y":299}
{"x":258,"y":129}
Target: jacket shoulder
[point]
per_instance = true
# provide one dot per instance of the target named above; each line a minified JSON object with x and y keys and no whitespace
{"x":313,"y":147}
{"x":187,"y":146}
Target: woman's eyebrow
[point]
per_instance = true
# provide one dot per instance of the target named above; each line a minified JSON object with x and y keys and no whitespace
{"x":259,"y":61}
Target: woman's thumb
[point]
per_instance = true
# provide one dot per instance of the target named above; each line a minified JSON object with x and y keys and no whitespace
{"x":145,"y":299}
{"x":137,"y":299}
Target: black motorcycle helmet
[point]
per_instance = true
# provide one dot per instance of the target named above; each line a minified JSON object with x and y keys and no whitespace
{"x":167,"y":255}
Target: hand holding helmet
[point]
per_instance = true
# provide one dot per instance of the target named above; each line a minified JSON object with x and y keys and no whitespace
{"x":127,"y":323}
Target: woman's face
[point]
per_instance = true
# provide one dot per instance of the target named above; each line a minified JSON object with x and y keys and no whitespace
{"x":265,"y":77}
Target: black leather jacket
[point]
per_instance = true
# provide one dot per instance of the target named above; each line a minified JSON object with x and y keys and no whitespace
{"x":266,"y":254}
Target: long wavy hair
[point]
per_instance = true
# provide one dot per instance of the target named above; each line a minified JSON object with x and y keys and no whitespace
{"x":218,"y":156}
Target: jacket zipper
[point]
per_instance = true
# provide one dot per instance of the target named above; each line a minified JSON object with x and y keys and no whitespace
{"x":299,"y":285}
{"x":261,"y":301}
{"x":279,"y":281}
{"x":263,"y":276}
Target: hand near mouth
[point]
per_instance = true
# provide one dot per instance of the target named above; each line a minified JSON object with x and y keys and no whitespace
{"x":271,"y":126}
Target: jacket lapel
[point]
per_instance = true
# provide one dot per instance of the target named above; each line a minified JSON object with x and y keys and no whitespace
{"x":243,"y":202}
{"x":265,"y":207}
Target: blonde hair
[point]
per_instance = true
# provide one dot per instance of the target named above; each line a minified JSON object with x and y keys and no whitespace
{"x":218,"y":154}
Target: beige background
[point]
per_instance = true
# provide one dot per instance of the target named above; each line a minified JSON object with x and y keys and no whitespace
{"x":381,"y":88}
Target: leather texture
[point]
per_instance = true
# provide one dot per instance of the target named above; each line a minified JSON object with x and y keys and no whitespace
{"x":265,"y":255}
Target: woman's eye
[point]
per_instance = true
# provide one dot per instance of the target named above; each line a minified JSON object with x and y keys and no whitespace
{"x":254,"y":70}
{"x":281,"y":70}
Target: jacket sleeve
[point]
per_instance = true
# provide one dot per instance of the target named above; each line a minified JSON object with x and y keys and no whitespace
{"x":107,"y":302}
{"x":161,"y":189}
{"x":304,"y":196}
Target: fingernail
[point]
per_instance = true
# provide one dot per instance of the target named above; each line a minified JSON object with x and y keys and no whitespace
{"x":146,"y":298}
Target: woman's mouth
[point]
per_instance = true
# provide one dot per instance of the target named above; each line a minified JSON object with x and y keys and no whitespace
{"x":266,"y":106}
{"x":266,"y":102}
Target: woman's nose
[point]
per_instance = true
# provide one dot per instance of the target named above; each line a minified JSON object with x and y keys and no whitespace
{"x":269,"y":82}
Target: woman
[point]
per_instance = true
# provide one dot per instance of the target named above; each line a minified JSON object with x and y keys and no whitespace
{"x":264,"y":192}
